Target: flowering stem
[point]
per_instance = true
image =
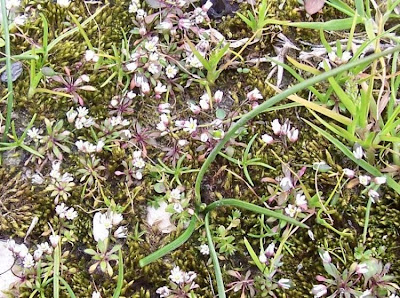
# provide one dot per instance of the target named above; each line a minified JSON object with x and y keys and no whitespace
{"x":56,"y":274}
{"x":10,"y":99}
{"x":214,"y":257}
{"x":366,"y":220}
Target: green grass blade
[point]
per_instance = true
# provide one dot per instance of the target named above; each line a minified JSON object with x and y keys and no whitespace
{"x":170,"y":246}
{"x":254,"y":256}
{"x":67,"y":287}
{"x":120,"y":280}
{"x":214,"y":257}
{"x":360,"y":162}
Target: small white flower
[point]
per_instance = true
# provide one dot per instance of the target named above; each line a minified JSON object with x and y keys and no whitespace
{"x":37,"y":179}
{"x":319,"y":290}
{"x":91,"y":56}
{"x":131,"y":66}
{"x":204,"y":104}
{"x":286,"y":183}
{"x":164,"y":108}
{"x":311,"y":235}
{"x":204,"y":249}
{"x":349,"y":173}
{"x":63,"y":3}
{"x":163,"y":292}
{"x":364,"y":179}
{"x":131,"y":95}
{"x":82,"y":112}
{"x":21,"y":250}
{"x":276,"y":127}
{"x":100,"y":145}
{"x":174,"y":195}
{"x":177,"y":275}
{"x":194,"y":108}
{"x":164,"y":26}
{"x":33,"y":133}
{"x":262,"y":258}
{"x":37,"y":254}
{"x":161,"y":126}
{"x":116,"y":218}
{"x":54,"y":240}
{"x":28,"y":261}
{"x":164,"y":119}
{"x":207,"y":5}
{"x":284,"y":283}
{"x":189,"y":276}
{"x":254,"y":95}
{"x":184,"y":23}
{"x":301,"y":201}
{"x":293,"y":135}
{"x":45,"y":247}
{"x":346,"y":56}
{"x":121,"y":232}
{"x":326,"y":258}
{"x":380,"y":180}
{"x":10,"y":4}
{"x":190,"y":126}
{"x":267,"y":139}
{"x":71,"y":214}
{"x":96,"y":294}
{"x":61,"y":210}
{"x":11,"y":245}
{"x":171,"y":71}
{"x":139,"y":163}
{"x":20,"y":20}
{"x":182,"y":143}
{"x":101,"y":226}
{"x":178,"y":208}
{"x":270,"y":251}
{"x":218,"y":95}
{"x":154,"y":68}
{"x":71,"y":115}
{"x":140,"y":14}
{"x":358,"y":151}
{"x":151,"y":45}
{"x":373,"y":195}
{"x":368,"y":293}
{"x":145,"y":88}
{"x":160,"y":218}
{"x":291,"y":210}
{"x":362,"y":268}
{"x":204,"y":137}
{"x":137,"y":154}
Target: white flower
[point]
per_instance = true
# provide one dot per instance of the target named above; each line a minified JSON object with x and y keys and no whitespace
{"x":358,"y":151}
{"x":54,"y":240}
{"x":174,"y":195}
{"x":218,"y":95}
{"x":164,"y":119}
{"x":137,"y":154}
{"x":270,"y":251}
{"x":71,"y":115}
{"x":164,"y":26}
{"x":131,"y":95}
{"x":319,"y":290}
{"x":276,"y":127}
{"x":160,"y":218}
{"x":61,"y":210}
{"x":96,"y":295}
{"x":37,"y":254}
{"x":204,"y":249}
{"x":85,"y":78}
{"x":140,"y":14}
{"x":20,"y":20}
{"x":160,"y":88}
{"x":267,"y":139}
{"x":262,"y":258}
{"x":63,"y":3}
{"x":207,"y":5}
{"x":349,"y":173}
{"x":380,"y":180}
{"x":189,"y":276}
{"x":164,"y":108}
{"x":346,"y":56}
{"x":85,"y":147}
{"x":194,"y":62}
{"x":171,"y":71}
{"x":204,"y":137}
{"x":254,"y":95}
{"x":364,"y":179}
{"x":291,"y":210}
{"x":101,"y":226}
{"x":311,"y":235}
{"x":284,"y":283}
{"x":161,"y":126}
{"x":37,"y":179}
{"x":373,"y":195}
{"x":293,"y":135}
{"x":10,"y":4}
{"x":116,"y":218}
{"x":286,"y":183}
{"x":28,"y":261}
{"x":182,"y":143}
{"x":361,"y":268}
{"x":184,"y":23}
{"x":325,"y":256}
{"x":11,"y":245}
{"x":21,"y":250}
{"x":204,"y":103}
{"x":301,"y":201}
{"x":153,"y":68}
{"x":91,"y":56}
{"x":33,"y":133}
{"x":100,"y":145}
{"x":163,"y":292}
{"x":133,"y":7}
{"x":45,"y":247}
{"x":87,"y":122}
{"x":121,"y":232}
{"x":82,"y":112}
{"x":178,"y":208}
{"x":194,"y":108}
{"x":131,"y":66}
{"x":145,"y":88}
{"x":139,"y":163}
{"x":190,"y":126}
{"x":71,"y":214}
{"x":367,"y":293}
{"x":177,"y":275}
{"x":151,"y":45}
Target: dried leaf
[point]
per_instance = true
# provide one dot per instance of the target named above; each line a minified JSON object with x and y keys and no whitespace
{"x":313,"y":6}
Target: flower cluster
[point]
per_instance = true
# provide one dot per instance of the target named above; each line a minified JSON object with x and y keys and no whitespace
{"x":80,"y":117}
{"x":65,"y":212}
{"x":181,"y":283}
{"x":281,"y":130}
{"x":104,"y":222}
{"x":61,"y":184}
{"x":133,"y":169}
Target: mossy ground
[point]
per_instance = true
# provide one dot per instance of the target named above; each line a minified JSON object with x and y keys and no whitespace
{"x":21,"y":201}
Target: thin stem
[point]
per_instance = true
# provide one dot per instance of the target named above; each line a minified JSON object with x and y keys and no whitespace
{"x":10,"y":100}
{"x":366,"y":221}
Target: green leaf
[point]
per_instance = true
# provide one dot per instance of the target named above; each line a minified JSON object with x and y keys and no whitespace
{"x":120,"y":280}
{"x":220,"y":114}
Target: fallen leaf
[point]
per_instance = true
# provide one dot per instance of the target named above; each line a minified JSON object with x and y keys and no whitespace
{"x":313,"y":6}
